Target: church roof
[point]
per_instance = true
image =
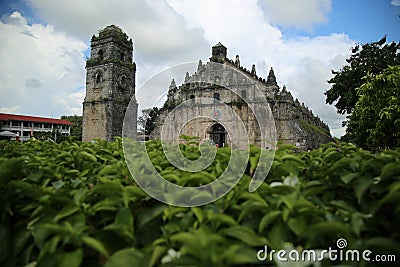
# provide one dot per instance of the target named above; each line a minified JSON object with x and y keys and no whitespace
{"x":15,"y":117}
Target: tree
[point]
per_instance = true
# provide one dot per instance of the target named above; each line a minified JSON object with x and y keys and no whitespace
{"x":375,"y":120}
{"x":370,"y":58}
{"x":76,"y":129}
{"x":147,"y":121}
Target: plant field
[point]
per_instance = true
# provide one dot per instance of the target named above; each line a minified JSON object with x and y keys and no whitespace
{"x":75,"y":204}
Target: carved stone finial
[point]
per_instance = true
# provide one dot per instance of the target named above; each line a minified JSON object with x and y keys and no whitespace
{"x":173,"y":84}
{"x":253,"y":70}
{"x":237,"y":61}
{"x":187,"y":77}
{"x":271,"y":79}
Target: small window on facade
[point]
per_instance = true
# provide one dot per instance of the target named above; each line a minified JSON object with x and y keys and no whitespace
{"x":191,"y":96}
{"x":122,"y":56}
{"x":216,"y":96}
{"x":98,"y":77}
{"x":123,"y":80}
{"x":101,"y":54}
{"x":16,"y":123}
{"x":243,"y":94}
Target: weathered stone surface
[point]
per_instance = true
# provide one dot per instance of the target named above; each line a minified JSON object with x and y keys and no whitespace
{"x":295,"y":123}
{"x":110,"y":84}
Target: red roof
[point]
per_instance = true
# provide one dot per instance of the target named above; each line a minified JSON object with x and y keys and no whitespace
{"x":14,"y":117}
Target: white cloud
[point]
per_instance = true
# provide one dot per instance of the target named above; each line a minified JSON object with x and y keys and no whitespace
{"x":70,"y":103}
{"x":159,"y":34}
{"x":12,"y":109}
{"x":395,"y":2}
{"x":298,"y":14}
{"x":37,"y":65}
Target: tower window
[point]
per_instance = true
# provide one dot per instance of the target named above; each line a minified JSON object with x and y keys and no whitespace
{"x":122,"y":56}
{"x":123,"y":80}
{"x":191,"y":97}
{"x":243,"y":94}
{"x":216,"y":96}
{"x":101,"y":54}
{"x":98,"y":77}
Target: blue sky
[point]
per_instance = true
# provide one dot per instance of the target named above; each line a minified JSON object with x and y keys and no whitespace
{"x":363,"y":20}
{"x":45,"y":42}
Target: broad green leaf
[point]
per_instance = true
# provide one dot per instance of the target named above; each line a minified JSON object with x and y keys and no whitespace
{"x":224,"y":219}
{"x":329,"y":228}
{"x":298,"y":225}
{"x":124,"y":218}
{"x":269,"y":218}
{"x":71,"y":259}
{"x":293,"y":158}
{"x":361,"y":185}
{"x":250,"y":206}
{"x":66,"y":211}
{"x":126,"y":258}
{"x":188,"y":239}
{"x":199,"y":213}
{"x":348,"y":177}
{"x":10,"y":168}
{"x":96,"y":245}
{"x":357,"y":222}
{"x":109,"y":170}
{"x":158,"y":252}
{"x":58,"y":184}
{"x":87,"y":156}
{"x":390,"y":169}
{"x":135,"y":190}
{"x":278,"y":235}
{"x":240,"y":255}
{"x":148,"y":214}
{"x":201,"y":196}
{"x":244,"y":234}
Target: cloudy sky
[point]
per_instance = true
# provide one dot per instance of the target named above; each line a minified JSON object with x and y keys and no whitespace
{"x":44,"y":44}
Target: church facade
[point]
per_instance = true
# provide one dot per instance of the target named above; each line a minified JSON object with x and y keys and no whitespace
{"x":294,"y":122}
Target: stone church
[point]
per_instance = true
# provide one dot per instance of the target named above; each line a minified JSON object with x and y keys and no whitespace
{"x":110,"y":85}
{"x":294,"y":122}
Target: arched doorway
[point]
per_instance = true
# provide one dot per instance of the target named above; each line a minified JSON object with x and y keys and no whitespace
{"x":218,"y":135}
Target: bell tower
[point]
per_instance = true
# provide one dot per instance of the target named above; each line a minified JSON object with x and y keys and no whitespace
{"x":218,"y":53}
{"x":110,"y":84}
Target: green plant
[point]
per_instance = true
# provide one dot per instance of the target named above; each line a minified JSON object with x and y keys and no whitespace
{"x":75,"y":204}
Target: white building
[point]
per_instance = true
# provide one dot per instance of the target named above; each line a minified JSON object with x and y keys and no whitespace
{"x":26,"y":126}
